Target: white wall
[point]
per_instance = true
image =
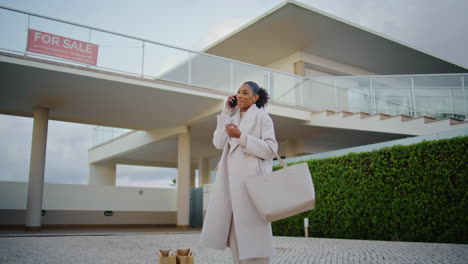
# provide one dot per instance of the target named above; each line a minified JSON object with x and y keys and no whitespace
{"x":332,"y":65}
{"x":312,"y":72}
{"x":286,"y":64}
{"x":13,"y":195}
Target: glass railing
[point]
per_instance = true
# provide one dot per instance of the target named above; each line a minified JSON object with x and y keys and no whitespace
{"x":102,"y":134}
{"x":438,"y":95}
{"x":140,"y":57}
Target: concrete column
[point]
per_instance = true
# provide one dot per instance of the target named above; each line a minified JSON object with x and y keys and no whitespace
{"x":299,"y":68}
{"x":300,"y":147}
{"x":203,"y":171}
{"x":294,"y":147}
{"x":183,"y":181}
{"x":290,"y":148}
{"x":102,"y":174}
{"x":36,"y":170}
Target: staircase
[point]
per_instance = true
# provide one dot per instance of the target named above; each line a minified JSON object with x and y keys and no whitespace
{"x":398,"y":124}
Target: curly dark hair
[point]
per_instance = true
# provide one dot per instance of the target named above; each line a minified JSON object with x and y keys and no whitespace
{"x":262,"y":94}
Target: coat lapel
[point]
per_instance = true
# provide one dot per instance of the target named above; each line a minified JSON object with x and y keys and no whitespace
{"x":248,"y":121}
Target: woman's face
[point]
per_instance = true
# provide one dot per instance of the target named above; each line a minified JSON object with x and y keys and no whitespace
{"x":245,"y":97}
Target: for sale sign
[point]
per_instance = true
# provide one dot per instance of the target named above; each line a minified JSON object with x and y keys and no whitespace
{"x":65,"y":48}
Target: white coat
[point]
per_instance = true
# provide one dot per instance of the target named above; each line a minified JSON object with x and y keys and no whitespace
{"x":248,"y":156}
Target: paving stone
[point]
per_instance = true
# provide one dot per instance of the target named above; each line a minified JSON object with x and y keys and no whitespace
{"x":141,"y":248}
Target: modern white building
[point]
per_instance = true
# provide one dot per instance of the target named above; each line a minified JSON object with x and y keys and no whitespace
{"x":333,"y":85}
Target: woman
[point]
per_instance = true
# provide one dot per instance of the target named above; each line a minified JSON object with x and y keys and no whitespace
{"x":231,"y":218}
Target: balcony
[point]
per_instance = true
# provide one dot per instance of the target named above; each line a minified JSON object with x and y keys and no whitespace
{"x":438,"y":96}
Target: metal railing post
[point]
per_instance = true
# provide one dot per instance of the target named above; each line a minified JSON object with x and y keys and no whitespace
{"x":232,"y":76}
{"x":301,"y":94}
{"x":143,"y":59}
{"x":410,"y":102}
{"x":336,"y":94}
{"x":464,"y":97}
{"x":413,"y":97}
{"x":372,"y":103}
{"x":190,"y":69}
{"x":27,"y":34}
{"x":89,"y":40}
{"x":451,"y":102}
{"x":94,"y":136}
{"x":270,"y":85}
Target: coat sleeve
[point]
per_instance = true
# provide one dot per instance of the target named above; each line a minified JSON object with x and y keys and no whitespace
{"x":259,"y":146}
{"x":219,"y":135}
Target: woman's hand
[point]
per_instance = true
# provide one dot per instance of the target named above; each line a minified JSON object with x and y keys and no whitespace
{"x":227,"y":105}
{"x":232,"y":130}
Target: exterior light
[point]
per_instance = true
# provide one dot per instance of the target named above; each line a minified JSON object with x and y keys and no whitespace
{"x":108,"y":213}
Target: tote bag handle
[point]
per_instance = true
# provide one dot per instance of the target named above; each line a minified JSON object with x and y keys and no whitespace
{"x":278,"y":157}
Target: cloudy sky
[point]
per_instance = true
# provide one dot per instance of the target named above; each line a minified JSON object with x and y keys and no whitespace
{"x":433,"y":26}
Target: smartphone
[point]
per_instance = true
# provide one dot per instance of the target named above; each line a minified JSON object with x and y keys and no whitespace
{"x":233,"y":103}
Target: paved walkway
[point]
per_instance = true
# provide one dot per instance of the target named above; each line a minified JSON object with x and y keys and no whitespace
{"x":140,"y":248}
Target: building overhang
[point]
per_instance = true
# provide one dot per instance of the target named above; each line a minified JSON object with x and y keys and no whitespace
{"x":292,"y":27}
{"x":82,"y":95}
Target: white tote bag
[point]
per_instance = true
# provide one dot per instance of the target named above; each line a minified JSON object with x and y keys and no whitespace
{"x":282,"y":193}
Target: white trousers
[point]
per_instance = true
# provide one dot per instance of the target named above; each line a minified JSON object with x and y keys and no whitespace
{"x":235,"y":249}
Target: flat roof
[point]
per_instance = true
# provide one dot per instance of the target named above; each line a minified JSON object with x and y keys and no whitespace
{"x":293,"y":26}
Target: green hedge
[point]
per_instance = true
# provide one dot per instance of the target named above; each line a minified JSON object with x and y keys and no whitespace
{"x":406,"y":193}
